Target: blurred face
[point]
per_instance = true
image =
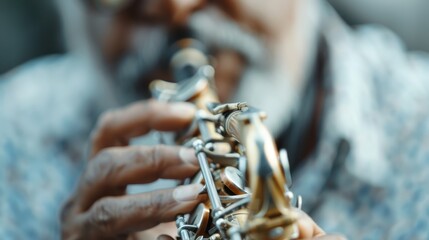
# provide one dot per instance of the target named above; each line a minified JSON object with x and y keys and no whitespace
{"x":246,"y":37}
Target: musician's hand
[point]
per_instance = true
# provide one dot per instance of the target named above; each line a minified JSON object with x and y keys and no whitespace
{"x":99,"y":209}
{"x":307,"y":228}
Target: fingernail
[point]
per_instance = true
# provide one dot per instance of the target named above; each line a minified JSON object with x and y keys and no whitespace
{"x":183,"y":109}
{"x":188,"y":155}
{"x":187,"y":192}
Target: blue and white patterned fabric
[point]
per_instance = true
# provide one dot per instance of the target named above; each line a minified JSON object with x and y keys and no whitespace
{"x":377,"y":103}
{"x":47,"y":108}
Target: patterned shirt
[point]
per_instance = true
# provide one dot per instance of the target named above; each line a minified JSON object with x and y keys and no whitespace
{"x":47,"y":108}
{"x":366,"y":178}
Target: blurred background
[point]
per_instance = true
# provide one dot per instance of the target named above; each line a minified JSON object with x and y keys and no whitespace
{"x":29,"y":29}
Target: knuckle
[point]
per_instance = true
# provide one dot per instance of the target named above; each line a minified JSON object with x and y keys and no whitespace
{"x":68,"y":227}
{"x":66,"y":210}
{"x":160,"y":206}
{"x":106,"y":162}
{"x":155,"y":157}
{"x":105,"y":155}
{"x":155,"y":206}
{"x":102,"y":129}
{"x":103,"y":215}
{"x":105,"y":120}
{"x":156,"y":152}
{"x":102,"y":167}
{"x":95,"y":135}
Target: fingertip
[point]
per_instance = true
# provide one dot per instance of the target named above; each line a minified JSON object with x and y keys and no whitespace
{"x":307,"y":227}
{"x":187,"y":155}
{"x":187,"y":192}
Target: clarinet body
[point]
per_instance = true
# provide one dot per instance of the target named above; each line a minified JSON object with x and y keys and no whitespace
{"x":246,"y":178}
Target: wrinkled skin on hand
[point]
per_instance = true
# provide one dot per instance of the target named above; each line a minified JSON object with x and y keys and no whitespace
{"x":308,"y":229}
{"x":100,"y":208}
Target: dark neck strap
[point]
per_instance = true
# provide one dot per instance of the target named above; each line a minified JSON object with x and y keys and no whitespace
{"x":301,"y":136}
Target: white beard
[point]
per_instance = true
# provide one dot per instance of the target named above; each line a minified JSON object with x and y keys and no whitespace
{"x":264,"y":85}
{"x":270,"y":91}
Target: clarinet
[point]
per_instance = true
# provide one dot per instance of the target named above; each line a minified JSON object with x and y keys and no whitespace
{"x":246,"y":178}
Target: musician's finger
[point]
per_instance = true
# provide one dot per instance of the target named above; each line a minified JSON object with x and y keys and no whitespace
{"x":114,"y":168}
{"x":116,"y":216}
{"x":307,"y":227}
{"x":116,"y":127}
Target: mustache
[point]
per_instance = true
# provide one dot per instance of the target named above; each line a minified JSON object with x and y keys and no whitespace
{"x":219,"y":32}
{"x":148,"y":45}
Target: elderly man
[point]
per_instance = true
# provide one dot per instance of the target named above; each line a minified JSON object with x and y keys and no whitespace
{"x":347,"y":106}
